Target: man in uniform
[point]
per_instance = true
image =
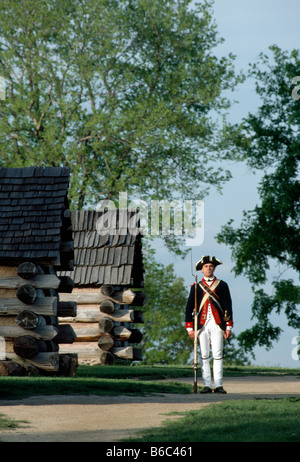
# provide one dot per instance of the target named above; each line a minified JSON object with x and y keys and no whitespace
{"x":214,"y":321}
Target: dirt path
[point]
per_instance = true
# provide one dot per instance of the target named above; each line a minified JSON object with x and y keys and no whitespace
{"x":109,"y":419}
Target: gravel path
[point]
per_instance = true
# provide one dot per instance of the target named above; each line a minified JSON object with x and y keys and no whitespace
{"x":112,"y":418}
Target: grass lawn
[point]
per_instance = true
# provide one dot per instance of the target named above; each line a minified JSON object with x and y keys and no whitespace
{"x":118,"y":379}
{"x":258,"y":420}
{"x":231,"y":420}
{"x":96,"y":380}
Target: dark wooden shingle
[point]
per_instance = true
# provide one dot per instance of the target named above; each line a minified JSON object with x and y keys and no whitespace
{"x":104,"y":252}
{"x":32,"y":204}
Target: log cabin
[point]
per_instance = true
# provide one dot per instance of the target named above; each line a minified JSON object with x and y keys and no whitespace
{"x":107,"y":276}
{"x":36,"y":242}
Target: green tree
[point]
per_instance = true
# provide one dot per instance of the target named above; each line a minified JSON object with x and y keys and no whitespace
{"x":165,"y":339}
{"x":125,"y":92}
{"x":269,"y":234}
{"x":128,"y":93}
{"x":233,"y":354}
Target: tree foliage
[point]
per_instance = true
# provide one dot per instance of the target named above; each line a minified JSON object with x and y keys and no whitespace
{"x":269,"y":234}
{"x":122,"y":91}
{"x":130,"y":95}
{"x":233,"y":354}
{"x":165,"y":339}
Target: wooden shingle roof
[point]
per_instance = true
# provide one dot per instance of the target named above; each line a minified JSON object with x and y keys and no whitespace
{"x":105,"y":255}
{"x":33,"y":218}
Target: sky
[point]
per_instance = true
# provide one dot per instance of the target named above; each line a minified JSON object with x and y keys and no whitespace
{"x":249,"y":28}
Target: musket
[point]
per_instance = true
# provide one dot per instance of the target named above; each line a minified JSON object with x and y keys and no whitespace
{"x":195,"y":314}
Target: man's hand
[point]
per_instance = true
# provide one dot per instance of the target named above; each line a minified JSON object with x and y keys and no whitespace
{"x":227,"y":333}
{"x":191,"y":334}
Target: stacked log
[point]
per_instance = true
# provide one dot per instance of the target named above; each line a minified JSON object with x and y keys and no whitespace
{"x":105,"y":324}
{"x":29,"y":321}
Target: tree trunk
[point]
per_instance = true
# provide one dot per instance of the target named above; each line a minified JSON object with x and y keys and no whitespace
{"x":106,"y":325}
{"x":27,"y":346}
{"x":66,"y":309}
{"x":46,"y":306}
{"x":134,"y":354}
{"x":137,"y":316}
{"x":10,"y":368}
{"x":66,"y":284}
{"x":139,"y":299}
{"x":67,"y":365}
{"x":91,"y":313}
{"x":106,"y":358}
{"x":51,"y":346}
{"x":27,"y":294}
{"x":46,"y":361}
{"x":88,"y":353}
{"x":27,"y":270}
{"x":105,"y":342}
{"x":85,"y":332}
{"x":107,"y":306}
{"x":65,"y":334}
{"x":30,"y":320}
{"x":122,"y":297}
{"x":41,"y":332}
{"x":40,"y":281}
{"x":107,"y":290}
{"x":123,"y":334}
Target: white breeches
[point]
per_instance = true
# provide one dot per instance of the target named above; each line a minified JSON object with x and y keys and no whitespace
{"x":211,"y":335}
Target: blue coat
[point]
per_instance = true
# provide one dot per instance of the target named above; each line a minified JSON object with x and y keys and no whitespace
{"x":223,"y":293}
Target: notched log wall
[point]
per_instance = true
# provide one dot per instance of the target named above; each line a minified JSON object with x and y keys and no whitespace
{"x":105,"y":324}
{"x":29,"y":322}
{"x":108,"y":271}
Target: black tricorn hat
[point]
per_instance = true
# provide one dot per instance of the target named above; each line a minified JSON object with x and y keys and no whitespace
{"x":207,"y":259}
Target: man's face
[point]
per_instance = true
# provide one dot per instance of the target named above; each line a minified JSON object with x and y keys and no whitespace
{"x":208,"y":270}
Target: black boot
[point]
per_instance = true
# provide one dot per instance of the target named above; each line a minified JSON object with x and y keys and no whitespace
{"x":220,"y":390}
{"x":206,"y":390}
